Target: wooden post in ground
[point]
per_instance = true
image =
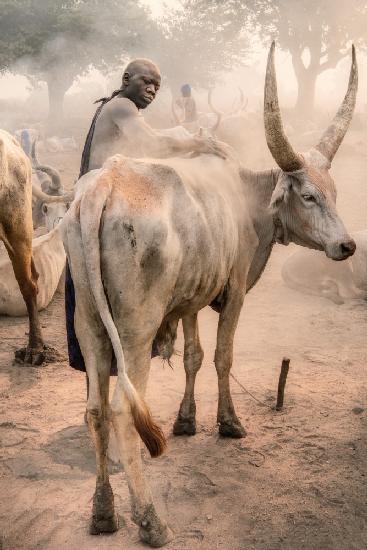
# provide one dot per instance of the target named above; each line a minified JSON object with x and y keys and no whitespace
{"x":281,"y":384}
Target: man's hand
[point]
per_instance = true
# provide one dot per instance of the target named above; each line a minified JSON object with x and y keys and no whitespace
{"x":209,"y":146}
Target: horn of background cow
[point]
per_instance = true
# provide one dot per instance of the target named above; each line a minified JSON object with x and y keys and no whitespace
{"x":214,"y":128}
{"x":54,"y":175}
{"x":242,"y":104}
{"x":284,"y":155}
{"x":332,"y":138}
{"x":46,"y":198}
{"x":210,"y":103}
{"x":243,"y":100}
{"x":52,"y":172}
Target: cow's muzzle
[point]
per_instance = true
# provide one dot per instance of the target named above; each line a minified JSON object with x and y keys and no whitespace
{"x":342,"y":250}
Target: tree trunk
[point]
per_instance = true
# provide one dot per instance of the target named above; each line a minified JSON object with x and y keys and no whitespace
{"x":56,"y":91}
{"x":306,"y":80}
{"x":306,"y":92}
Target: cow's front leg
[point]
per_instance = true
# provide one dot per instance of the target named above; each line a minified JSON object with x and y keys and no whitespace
{"x":193,"y":356}
{"x":229,"y":424}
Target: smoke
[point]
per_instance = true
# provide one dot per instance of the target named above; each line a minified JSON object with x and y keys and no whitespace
{"x":80,"y":68}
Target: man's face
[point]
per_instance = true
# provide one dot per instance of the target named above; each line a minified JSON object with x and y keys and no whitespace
{"x":142,"y":86}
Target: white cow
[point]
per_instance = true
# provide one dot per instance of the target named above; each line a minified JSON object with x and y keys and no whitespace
{"x":310,"y":272}
{"x":150,"y":242}
{"x":49,"y":258}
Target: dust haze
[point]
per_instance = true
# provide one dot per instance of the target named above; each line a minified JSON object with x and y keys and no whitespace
{"x":298,"y":479}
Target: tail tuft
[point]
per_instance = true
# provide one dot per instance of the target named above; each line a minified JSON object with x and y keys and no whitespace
{"x":150,"y":433}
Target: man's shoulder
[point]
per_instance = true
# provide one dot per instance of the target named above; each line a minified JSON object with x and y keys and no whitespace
{"x":122,"y":106}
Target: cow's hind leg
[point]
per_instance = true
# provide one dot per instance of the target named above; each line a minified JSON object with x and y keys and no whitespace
{"x":152,"y":529}
{"x":193,"y":357}
{"x":96,"y":349}
{"x":229,"y":424}
{"x":103,"y":519}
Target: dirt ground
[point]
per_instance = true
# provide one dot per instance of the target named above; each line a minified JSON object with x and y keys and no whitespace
{"x":297,"y":481}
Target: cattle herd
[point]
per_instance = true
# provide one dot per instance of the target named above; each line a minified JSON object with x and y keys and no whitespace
{"x":150,"y":242}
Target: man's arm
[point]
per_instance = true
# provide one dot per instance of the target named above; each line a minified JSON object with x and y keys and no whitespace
{"x":134,"y":128}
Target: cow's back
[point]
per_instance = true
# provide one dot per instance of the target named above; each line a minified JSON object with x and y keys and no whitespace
{"x":175,"y":227}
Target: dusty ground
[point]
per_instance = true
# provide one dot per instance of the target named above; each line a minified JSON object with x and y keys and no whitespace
{"x":298,"y":481}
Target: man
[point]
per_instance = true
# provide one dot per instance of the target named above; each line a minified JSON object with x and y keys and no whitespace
{"x":187,"y":103}
{"x":26,"y":137}
{"x":118,"y":127}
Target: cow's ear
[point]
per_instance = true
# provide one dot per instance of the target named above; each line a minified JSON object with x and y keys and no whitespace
{"x":281,"y":192}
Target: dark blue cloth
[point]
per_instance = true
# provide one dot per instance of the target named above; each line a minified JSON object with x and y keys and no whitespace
{"x":76,"y":360}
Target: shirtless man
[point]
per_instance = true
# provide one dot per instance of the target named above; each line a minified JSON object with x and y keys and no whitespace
{"x":187,"y":103}
{"x":118,"y":127}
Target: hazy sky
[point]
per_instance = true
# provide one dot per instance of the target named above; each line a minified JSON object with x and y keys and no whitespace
{"x":330,"y":86}
{"x":157,"y":6}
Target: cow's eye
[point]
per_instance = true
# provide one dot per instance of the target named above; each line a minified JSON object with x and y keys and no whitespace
{"x":308,"y":198}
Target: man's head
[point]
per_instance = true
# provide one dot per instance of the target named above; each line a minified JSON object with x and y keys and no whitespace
{"x":186,"y":90}
{"x":141,"y":81}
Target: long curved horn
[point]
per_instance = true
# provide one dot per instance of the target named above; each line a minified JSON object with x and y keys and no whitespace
{"x":242,"y":104}
{"x":214,"y":128}
{"x":284,"y":155}
{"x":332,"y":138}
{"x":210,"y":103}
{"x":46,"y":198}
{"x":52,"y":172}
{"x":243,"y":101}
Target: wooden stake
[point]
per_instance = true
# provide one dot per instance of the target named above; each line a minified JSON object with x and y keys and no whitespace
{"x":281,"y":384}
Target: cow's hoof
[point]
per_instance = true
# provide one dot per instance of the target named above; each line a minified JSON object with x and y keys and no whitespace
{"x":155,"y":537}
{"x":104,"y":519}
{"x":30,"y":357}
{"x":35,"y":357}
{"x":152,"y":530}
{"x":233,"y":429}
{"x":103,"y":525}
{"x":184,"y":426}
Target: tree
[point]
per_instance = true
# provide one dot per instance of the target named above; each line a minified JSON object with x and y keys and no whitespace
{"x":317,"y":33}
{"x":201,"y":41}
{"x":35,"y":39}
{"x":56,"y":40}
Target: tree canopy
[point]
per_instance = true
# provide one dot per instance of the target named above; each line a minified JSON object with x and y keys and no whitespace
{"x":202,"y":40}
{"x":56,"y":40}
{"x":317,"y":33}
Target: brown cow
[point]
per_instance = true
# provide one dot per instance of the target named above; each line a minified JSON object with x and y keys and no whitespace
{"x":16,"y":231}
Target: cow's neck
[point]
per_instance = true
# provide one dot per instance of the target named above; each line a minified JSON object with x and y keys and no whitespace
{"x":259,"y":187}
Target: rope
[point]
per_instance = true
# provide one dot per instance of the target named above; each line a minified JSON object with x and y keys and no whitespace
{"x":249,"y":393}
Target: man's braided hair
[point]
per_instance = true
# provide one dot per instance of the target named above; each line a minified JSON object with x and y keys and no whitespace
{"x":84,"y":165}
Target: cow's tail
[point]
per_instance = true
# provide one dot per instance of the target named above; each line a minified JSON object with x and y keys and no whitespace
{"x":91,"y":209}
